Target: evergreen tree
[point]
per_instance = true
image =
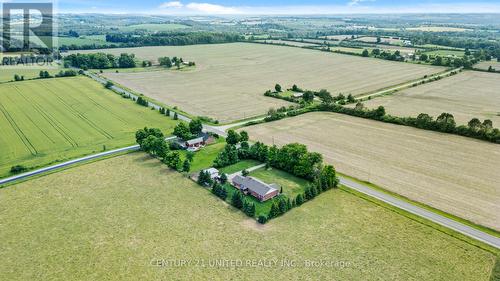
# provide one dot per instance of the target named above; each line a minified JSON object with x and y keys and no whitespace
{"x":237,"y":200}
{"x":186,"y":166}
{"x":262,"y":219}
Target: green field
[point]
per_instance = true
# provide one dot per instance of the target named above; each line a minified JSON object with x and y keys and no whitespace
{"x":51,"y":120}
{"x":155,"y":27}
{"x":7,"y":73}
{"x":445,"y":53}
{"x":133,"y":211}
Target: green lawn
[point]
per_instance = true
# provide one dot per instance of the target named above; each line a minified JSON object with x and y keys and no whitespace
{"x":291,"y":184}
{"x":240,"y":166}
{"x":204,"y":158}
{"x":52,"y":120}
{"x":113,"y":219}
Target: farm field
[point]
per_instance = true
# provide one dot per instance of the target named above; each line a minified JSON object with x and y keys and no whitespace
{"x":338,"y":37}
{"x":128,"y":224}
{"x":7,"y":72}
{"x":486,"y":64}
{"x":51,"y":120}
{"x":372,"y":39}
{"x":451,"y":173}
{"x":445,"y":53}
{"x":289,"y":43}
{"x":230,"y":79}
{"x":466,"y":95}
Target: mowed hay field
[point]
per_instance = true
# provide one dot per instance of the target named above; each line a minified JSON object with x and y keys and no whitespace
{"x":230,"y":79}
{"x":452,"y":173}
{"x":486,"y":64}
{"x":45,"y":121}
{"x":119,"y":225}
{"x":466,"y":95}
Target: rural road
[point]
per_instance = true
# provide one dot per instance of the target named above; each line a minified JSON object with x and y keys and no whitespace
{"x":389,"y":199}
{"x":406,"y":85}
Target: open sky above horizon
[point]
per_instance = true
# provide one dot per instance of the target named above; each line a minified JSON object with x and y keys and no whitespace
{"x":261,"y":7}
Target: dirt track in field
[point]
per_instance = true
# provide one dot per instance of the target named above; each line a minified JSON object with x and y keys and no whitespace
{"x":455,"y":174}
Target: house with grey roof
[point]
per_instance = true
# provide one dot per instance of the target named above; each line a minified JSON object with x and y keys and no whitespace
{"x":257,"y":188}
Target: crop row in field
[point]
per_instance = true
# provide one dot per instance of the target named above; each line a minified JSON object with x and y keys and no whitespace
{"x":45,"y":121}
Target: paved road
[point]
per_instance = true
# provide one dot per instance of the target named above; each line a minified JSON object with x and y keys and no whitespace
{"x":409,"y":84}
{"x":70,"y":162}
{"x":389,"y":199}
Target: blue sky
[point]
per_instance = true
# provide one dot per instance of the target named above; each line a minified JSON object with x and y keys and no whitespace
{"x":203,"y":7}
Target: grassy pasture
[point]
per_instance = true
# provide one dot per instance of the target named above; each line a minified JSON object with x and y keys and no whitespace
{"x":466,"y":95}
{"x":455,"y":174}
{"x":230,"y":79}
{"x":51,"y":120}
{"x":103,"y":221}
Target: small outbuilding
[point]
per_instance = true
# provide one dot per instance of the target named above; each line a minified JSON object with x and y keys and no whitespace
{"x":214,"y":173}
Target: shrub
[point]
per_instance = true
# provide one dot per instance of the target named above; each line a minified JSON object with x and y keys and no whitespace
{"x":18,"y":169}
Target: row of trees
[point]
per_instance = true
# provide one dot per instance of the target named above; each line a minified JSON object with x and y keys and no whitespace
{"x":100,"y":61}
{"x":63,"y":73}
{"x":445,"y":122}
{"x":173,"y":38}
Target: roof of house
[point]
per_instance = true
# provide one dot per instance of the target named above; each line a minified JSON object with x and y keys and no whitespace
{"x":195,"y":141}
{"x":212,"y":171}
{"x":255,"y":185}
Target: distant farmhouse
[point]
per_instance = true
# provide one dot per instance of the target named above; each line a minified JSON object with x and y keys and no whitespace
{"x":258,"y":189}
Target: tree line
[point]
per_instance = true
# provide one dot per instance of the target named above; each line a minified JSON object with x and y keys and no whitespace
{"x":444,"y":123}
{"x":100,"y":61}
{"x":174,"y":38}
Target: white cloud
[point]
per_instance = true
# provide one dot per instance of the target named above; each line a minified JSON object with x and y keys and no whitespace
{"x":172,"y":4}
{"x":357,"y":2}
{"x":207,"y":8}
